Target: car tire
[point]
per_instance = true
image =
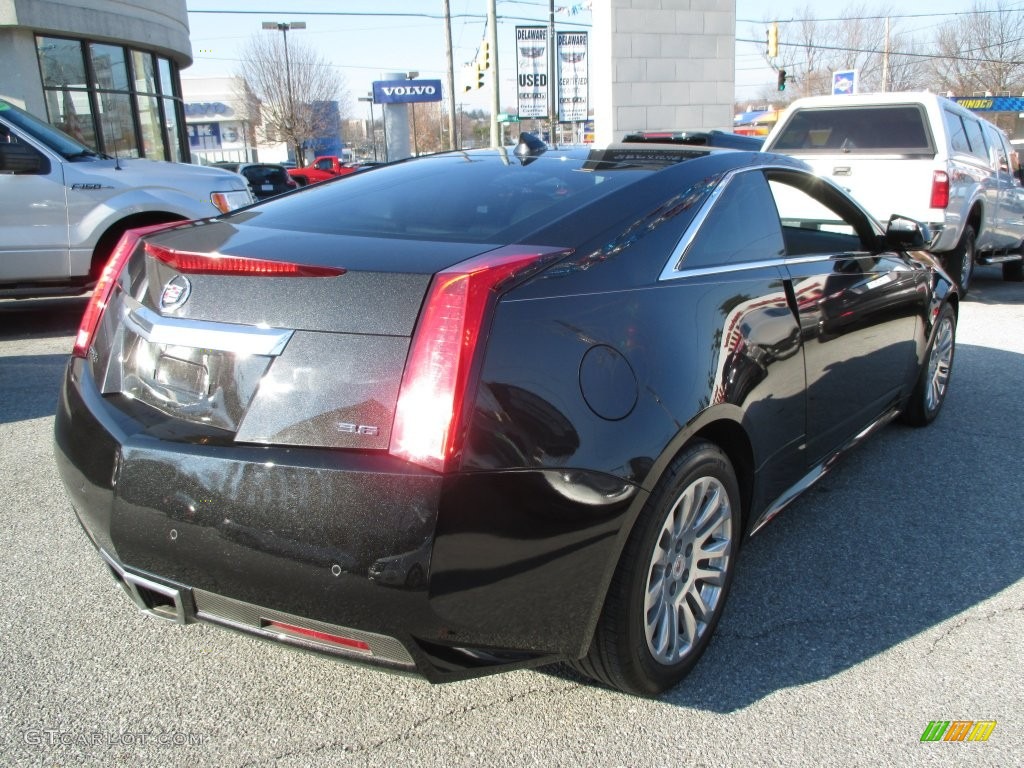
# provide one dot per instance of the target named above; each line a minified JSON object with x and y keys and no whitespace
{"x":933,"y":382}
{"x":665,"y":599}
{"x":959,"y":262}
{"x":1013,"y":271}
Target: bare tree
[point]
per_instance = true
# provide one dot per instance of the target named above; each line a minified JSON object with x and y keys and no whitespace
{"x":288,"y":105}
{"x":811,"y":49}
{"x":981,"y":52}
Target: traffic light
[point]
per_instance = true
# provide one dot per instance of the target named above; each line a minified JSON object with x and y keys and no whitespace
{"x":782,"y":79}
{"x":773,"y":41}
{"x":480,"y":71}
{"x":484,"y":58}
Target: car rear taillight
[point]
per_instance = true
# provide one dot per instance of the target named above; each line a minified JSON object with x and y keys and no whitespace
{"x":940,"y":189}
{"x":240,"y":266}
{"x":449,"y":333}
{"x":105,"y":285}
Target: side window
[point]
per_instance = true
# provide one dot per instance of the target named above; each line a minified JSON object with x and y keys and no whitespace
{"x":957,"y":133}
{"x":997,"y":150}
{"x":974,"y":136}
{"x":324,"y":165}
{"x":816,"y":219}
{"x":18,"y":158}
{"x":741,"y":226}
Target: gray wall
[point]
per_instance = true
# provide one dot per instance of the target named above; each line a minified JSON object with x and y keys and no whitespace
{"x":670,"y":65}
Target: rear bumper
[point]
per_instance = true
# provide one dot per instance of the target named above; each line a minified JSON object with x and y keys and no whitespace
{"x":447,"y":576}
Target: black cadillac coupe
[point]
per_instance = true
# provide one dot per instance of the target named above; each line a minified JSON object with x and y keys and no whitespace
{"x":491,"y":409}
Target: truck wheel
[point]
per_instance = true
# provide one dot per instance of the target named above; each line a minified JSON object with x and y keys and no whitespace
{"x":960,"y":261}
{"x":1013,"y":271}
{"x":105,"y":246}
{"x":300,"y":180}
{"x":670,"y":585}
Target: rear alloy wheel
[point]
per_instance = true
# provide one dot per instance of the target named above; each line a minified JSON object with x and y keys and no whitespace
{"x":933,"y":383}
{"x":960,"y":261}
{"x":670,"y":586}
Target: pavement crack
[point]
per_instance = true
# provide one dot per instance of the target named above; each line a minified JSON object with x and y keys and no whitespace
{"x":447,"y":717}
{"x":969,"y":619}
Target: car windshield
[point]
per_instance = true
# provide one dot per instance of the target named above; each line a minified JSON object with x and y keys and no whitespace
{"x":45,"y":133}
{"x":462,"y":196}
{"x":899,"y":128}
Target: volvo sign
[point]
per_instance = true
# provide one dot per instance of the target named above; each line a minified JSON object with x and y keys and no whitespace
{"x":406,"y":91}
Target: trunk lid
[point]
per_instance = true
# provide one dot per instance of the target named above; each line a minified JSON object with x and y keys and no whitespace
{"x":310,"y":361}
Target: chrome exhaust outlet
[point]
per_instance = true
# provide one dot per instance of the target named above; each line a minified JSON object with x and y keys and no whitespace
{"x":151,"y":597}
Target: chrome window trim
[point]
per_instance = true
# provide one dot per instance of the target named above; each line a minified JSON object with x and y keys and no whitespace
{"x":672,"y":269}
{"x":746,"y":265}
{"x":185,"y":332}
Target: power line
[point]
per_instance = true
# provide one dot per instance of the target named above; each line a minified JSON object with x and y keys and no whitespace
{"x":896,"y":53}
{"x":876,"y":17}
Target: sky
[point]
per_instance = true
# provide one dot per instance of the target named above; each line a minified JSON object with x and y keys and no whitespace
{"x":362,"y":47}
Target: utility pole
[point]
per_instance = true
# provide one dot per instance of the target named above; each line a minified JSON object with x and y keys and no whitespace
{"x":552,"y":76}
{"x":492,"y":31}
{"x":451,"y":74}
{"x":885,"y":59}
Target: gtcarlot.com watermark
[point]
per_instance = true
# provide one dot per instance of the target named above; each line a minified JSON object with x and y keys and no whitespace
{"x":54,"y":737}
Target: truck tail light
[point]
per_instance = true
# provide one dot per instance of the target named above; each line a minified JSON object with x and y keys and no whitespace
{"x":445,"y":347}
{"x":940,"y":189}
{"x":105,"y":285}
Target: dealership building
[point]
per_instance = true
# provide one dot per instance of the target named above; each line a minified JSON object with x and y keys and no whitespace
{"x":104,"y":71}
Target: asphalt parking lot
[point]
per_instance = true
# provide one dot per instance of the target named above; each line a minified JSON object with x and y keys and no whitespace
{"x":889,"y":596}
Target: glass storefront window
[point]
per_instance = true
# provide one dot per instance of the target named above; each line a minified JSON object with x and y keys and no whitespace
{"x":109,"y":66}
{"x":149,"y":122}
{"x":166,"y":77}
{"x":61,"y":62}
{"x":173,"y":136}
{"x":145,"y":76}
{"x":93,"y":94}
{"x":71,"y":112}
{"x":117,"y":124}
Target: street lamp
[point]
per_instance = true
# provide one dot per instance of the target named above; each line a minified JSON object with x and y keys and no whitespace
{"x":284,"y":26}
{"x":373,"y":124}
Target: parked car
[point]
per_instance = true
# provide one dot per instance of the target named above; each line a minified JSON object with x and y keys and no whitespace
{"x":712,"y":138}
{"x":509,"y":409}
{"x":63,"y":207}
{"x":323,"y":168}
{"x":921,"y":155}
{"x":265,"y":179}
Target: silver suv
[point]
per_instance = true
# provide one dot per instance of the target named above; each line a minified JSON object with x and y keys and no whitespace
{"x":63,"y":206}
{"x":918,"y":155}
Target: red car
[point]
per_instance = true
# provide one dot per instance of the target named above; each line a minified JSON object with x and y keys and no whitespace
{"x":323,"y":168}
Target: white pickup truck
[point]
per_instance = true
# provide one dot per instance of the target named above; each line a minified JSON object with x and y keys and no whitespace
{"x":922,"y":156}
{"x":63,"y":206}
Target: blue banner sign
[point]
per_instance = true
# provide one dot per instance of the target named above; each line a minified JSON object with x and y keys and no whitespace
{"x":406,"y":91}
{"x":204,"y":135}
{"x":991,"y":103}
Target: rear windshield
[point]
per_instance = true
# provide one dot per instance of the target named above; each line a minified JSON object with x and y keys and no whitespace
{"x":898,"y":129}
{"x":265,"y":174}
{"x":473,"y":197}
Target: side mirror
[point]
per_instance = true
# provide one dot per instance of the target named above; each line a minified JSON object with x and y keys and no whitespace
{"x":21,"y":159}
{"x":903,"y":233}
